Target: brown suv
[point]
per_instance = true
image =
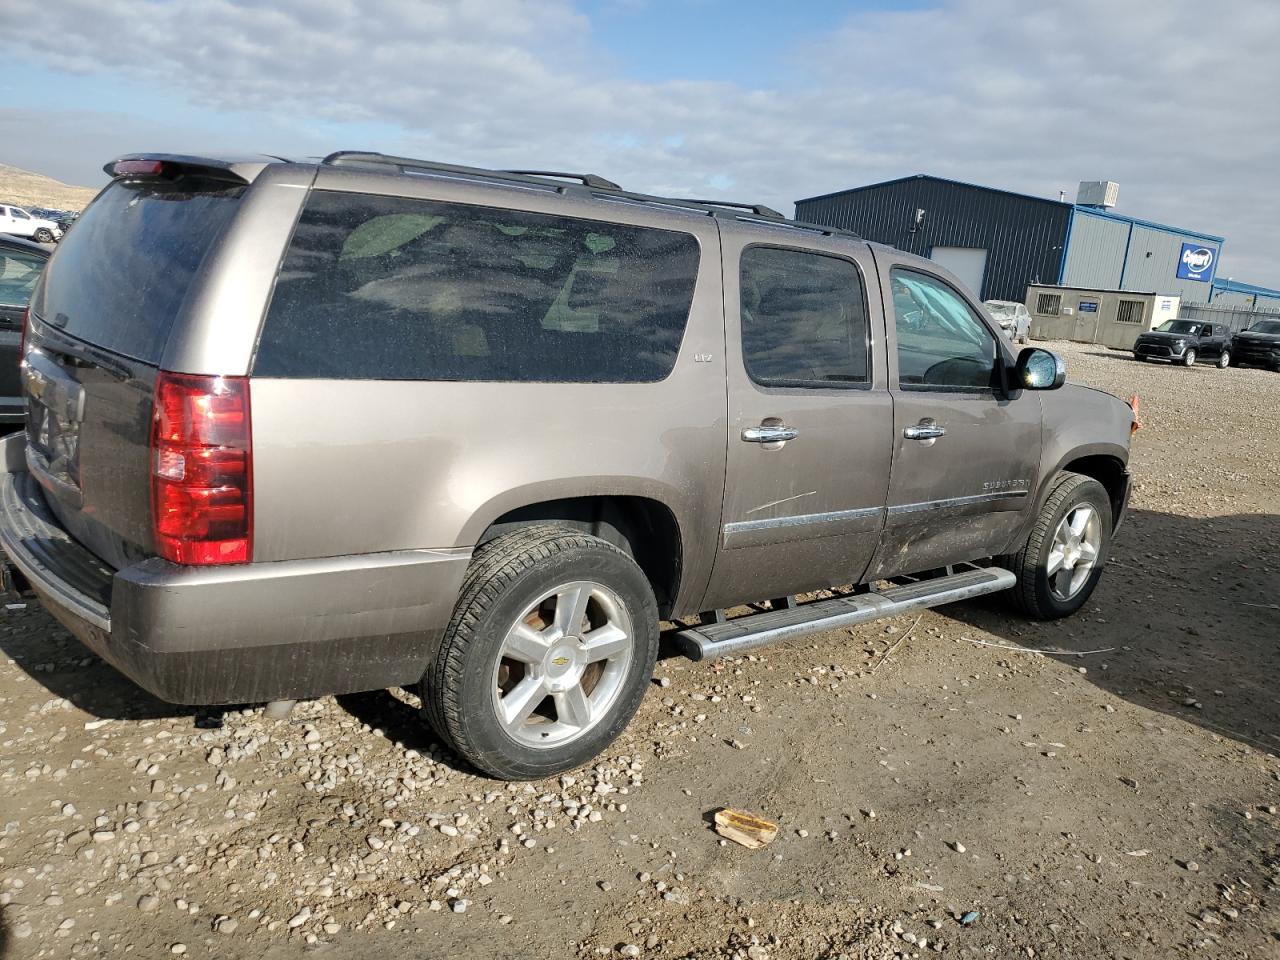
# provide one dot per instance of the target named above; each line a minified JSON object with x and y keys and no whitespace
{"x":307,"y":428}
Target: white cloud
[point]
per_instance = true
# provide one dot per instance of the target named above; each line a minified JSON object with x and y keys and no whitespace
{"x":1175,"y":103}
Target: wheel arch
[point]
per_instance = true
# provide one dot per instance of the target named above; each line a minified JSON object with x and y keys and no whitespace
{"x":1105,"y":462}
{"x":644,"y":527}
{"x":1110,"y":471}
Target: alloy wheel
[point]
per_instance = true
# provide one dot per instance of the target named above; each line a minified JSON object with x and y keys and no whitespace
{"x":563,"y":664}
{"x":1074,"y":552}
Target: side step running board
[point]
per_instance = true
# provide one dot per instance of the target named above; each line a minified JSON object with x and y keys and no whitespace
{"x":743,"y":633}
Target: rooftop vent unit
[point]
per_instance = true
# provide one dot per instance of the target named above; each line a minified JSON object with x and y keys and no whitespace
{"x":1098,"y":193}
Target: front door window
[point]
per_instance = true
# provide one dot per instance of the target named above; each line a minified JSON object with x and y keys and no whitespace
{"x":942,"y":345}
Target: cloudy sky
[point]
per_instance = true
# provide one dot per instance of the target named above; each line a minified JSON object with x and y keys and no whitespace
{"x":740,"y":99}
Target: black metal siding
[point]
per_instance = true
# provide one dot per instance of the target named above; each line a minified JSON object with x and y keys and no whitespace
{"x":1024,"y":237}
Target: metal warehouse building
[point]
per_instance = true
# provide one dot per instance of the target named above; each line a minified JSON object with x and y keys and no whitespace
{"x":1001,"y":242}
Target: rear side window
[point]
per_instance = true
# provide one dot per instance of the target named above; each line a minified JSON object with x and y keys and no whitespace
{"x":19,"y":272}
{"x":390,"y":288}
{"x":804,"y":319}
{"x":120,"y":279}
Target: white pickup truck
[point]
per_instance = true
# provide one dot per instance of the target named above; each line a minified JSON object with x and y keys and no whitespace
{"x":17,"y":222}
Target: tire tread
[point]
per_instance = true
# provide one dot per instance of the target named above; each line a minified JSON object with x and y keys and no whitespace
{"x":1025,"y":563}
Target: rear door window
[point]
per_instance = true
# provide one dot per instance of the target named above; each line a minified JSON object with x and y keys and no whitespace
{"x":120,"y":279}
{"x":391,"y":288}
{"x":804,"y":319}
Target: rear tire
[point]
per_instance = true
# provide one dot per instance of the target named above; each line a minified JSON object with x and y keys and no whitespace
{"x":1052,"y":579}
{"x":1224,"y":360}
{"x":1189,"y":358}
{"x":514,"y":688}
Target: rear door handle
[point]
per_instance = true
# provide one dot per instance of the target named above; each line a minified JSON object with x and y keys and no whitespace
{"x":769,"y":434}
{"x":925,"y":430}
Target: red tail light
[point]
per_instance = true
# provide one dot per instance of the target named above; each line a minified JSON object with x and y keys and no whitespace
{"x":136,"y":168}
{"x":202,"y":469}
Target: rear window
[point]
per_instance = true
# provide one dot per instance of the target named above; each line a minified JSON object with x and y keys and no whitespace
{"x":389,"y":288}
{"x":120,"y":278}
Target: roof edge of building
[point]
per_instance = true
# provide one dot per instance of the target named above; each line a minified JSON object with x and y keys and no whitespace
{"x":937,"y":179}
{"x":1239,"y":286}
{"x":1140,"y":222}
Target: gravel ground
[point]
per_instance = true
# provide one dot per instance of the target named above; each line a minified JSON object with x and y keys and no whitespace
{"x":1120,"y":803}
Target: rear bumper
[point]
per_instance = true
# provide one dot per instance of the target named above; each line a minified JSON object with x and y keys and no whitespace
{"x":236,"y":634}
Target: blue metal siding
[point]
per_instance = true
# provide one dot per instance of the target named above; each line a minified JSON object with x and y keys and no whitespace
{"x":1095,"y":252}
{"x":1152,"y":263}
{"x":1024,"y":236}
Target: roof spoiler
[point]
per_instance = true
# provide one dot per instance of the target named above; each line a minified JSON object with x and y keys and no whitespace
{"x":172,"y":166}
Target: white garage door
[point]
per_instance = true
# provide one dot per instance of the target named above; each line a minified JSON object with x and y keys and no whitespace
{"x":967,"y":263}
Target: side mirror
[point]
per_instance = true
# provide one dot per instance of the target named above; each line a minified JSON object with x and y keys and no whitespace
{"x":1038,"y":369}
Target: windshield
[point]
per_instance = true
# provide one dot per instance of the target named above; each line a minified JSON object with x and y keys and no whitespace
{"x":1002,"y":309}
{"x":1266,"y":326}
{"x":1179,"y":326}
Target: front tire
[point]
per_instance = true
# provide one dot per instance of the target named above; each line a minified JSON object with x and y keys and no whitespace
{"x":1060,"y":564}
{"x":43,"y":236}
{"x":1224,"y":360}
{"x":1189,"y":358}
{"x":548,"y":655}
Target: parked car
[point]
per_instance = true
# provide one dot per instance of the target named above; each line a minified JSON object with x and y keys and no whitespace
{"x":371,"y":421}
{"x":1257,"y":346}
{"x":1185,"y":342}
{"x":17,"y":222}
{"x":20,"y":264}
{"x":1013,"y":318}
{"x":63,"y":218}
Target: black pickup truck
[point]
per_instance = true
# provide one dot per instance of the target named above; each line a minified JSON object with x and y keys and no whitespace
{"x":1185,"y":342}
{"x":1259,"y":346}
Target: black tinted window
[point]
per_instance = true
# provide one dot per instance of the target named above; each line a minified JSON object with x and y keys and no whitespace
{"x":804,"y":320}
{"x":396,"y":289}
{"x":121,"y":277}
{"x":941,"y":342}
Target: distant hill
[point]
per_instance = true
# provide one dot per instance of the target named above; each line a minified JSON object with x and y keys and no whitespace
{"x":27,"y":189}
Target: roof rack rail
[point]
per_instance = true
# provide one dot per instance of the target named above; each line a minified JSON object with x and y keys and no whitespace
{"x":586,"y":179}
{"x":361,"y":158}
{"x":759,"y":209}
{"x":609,"y":190}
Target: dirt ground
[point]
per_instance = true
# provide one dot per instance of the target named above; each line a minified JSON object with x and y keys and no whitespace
{"x":1117,"y":803}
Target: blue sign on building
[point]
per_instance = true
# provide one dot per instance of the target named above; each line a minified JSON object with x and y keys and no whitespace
{"x":1196,"y":262}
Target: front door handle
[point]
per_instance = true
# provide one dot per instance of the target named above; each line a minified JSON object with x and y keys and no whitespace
{"x":925,"y":430}
{"x":770,"y":434}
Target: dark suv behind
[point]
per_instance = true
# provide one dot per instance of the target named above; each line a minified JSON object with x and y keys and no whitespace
{"x":1185,"y":342}
{"x":1259,"y":346}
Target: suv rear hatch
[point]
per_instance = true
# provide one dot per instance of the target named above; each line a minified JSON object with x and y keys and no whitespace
{"x":99,"y":324}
